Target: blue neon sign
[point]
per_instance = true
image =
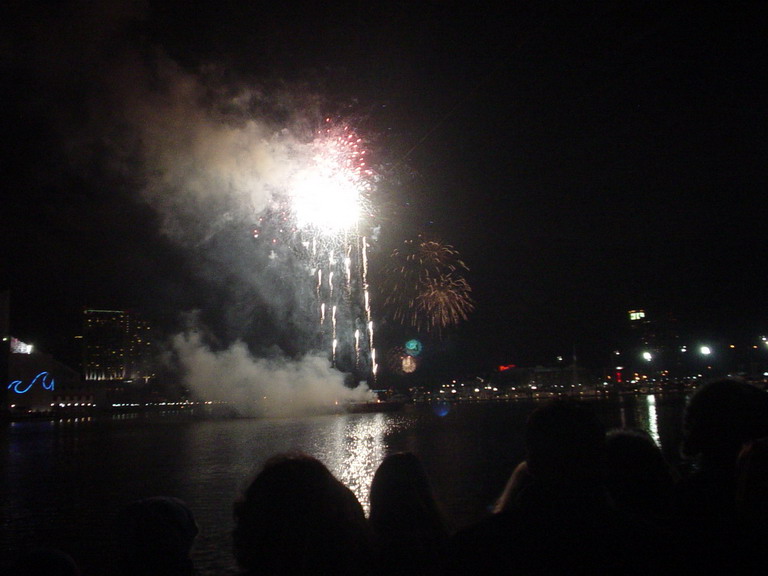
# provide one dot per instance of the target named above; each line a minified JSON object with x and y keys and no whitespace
{"x":45,"y":379}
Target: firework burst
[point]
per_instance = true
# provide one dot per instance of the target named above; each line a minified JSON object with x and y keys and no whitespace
{"x":327,"y":201}
{"x":444,"y":300}
{"x":424,"y":286}
{"x":329,"y":195}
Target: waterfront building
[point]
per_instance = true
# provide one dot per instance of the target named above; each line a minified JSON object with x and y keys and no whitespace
{"x":117,"y":352}
{"x":654,"y":344}
{"x":33,"y":382}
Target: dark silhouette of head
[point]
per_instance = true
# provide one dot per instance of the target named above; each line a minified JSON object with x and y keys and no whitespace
{"x":752,"y":484}
{"x":155,"y":536}
{"x":565,"y":444}
{"x":721,"y":417}
{"x":46,"y":562}
{"x":638,"y":477}
{"x":402,"y":500}
{"x":408,"y":527}
{"x":296,"y":518}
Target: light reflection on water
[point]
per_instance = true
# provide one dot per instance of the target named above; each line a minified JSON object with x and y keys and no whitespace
{"x":653,"y":419}
{"x":358,"y":450}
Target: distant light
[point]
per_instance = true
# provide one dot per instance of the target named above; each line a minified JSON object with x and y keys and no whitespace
{"x":19,"y":347}
{"x":706,"y":350}
{"x":647,"y":356}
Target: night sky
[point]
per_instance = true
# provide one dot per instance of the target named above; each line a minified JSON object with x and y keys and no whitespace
{"x":583,"y":159}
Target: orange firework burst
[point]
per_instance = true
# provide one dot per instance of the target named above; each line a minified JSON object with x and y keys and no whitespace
{"x":424,"y":286}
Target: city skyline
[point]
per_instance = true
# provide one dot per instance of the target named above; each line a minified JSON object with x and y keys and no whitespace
{"x":583,"y":162}
{"x":649,"y":344}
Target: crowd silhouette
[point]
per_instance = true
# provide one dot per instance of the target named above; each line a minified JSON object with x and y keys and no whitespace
{"x":584,"y":501}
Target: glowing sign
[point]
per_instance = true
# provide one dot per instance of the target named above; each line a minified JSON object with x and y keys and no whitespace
{"x":45,"y":379}
{"x":636,"y":314}
{"x":505,"y":367}
{"x":19,"y":347}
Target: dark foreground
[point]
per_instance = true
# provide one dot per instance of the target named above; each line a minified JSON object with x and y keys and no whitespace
{"x":67,"y":481}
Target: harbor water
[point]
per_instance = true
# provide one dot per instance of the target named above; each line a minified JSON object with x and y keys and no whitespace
{"x":64,"y":481}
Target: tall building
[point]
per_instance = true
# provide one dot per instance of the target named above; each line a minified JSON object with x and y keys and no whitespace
{"x":117,"y":349}
{"x":654,"y":342}
{"x":643,"y":330}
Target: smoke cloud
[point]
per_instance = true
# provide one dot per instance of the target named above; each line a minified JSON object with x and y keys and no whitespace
{"x":261,"y":386}
{"x":209,"y":153}
{"x":210,"y":169}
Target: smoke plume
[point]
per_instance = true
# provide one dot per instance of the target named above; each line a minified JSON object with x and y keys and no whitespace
{"x":262,"y":386}
{"x":209,"y":153}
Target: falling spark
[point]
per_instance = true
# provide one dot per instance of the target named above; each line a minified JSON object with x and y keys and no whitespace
{"x":348,"y":268}
{"x":327,"y":203}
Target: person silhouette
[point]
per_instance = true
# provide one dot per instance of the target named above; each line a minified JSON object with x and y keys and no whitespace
{"x":295,"y":518}
{"x":721,"y":417}
{"x":561,"y":520}
{"x":639,"y":479}
{"x":407,"y":524}
{"x":45,"y":562}
{"x":518,"y":480}
{"x":155,"y":537}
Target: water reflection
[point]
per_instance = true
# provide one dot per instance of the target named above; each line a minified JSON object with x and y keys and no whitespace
{"x":358,"y":449}
{"x":653,"y":419}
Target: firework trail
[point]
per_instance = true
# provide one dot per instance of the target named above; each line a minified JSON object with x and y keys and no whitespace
{"x":325,"y":202}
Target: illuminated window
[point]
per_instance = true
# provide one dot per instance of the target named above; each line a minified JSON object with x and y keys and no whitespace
{"x":636,"y":315}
